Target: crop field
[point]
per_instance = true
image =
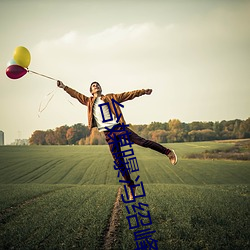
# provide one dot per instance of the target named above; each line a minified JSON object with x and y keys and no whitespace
{"x":69,"y":197}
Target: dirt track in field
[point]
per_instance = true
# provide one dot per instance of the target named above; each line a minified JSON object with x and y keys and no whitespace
{"x":112,"y":230}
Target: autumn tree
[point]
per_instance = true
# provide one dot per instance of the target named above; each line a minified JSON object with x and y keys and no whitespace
{"x":96,"y":138}
{"x":175,"y":133}
{"x":76,"y":133}
{"x":159,"y":135}
{"x":172,"y":131}
{"x":38,"y":138}
{"x":50,"y":137}
{"x":60,"y":134}
{"x":141,"y":130}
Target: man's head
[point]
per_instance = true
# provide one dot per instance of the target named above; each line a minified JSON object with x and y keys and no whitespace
{"x":95,"y":87}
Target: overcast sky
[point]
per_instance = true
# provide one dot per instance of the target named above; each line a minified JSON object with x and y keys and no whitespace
{"x":195,"y":55}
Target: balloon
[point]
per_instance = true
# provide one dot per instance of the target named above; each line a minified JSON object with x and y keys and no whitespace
{"x":22,"y":56}
{"x":15,"y":71}
{"x":11,"y":62}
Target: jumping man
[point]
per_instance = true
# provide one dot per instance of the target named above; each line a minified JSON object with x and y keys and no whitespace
{"x":95,"y":119}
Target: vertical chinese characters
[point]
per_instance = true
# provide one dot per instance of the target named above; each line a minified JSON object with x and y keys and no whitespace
{"x":139,"y":217}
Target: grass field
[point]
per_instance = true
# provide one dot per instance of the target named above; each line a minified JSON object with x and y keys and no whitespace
{"x":62,"y":197}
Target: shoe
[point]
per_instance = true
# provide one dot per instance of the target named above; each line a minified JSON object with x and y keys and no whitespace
{"x":132,"y":193}
{"x":172,"y":157}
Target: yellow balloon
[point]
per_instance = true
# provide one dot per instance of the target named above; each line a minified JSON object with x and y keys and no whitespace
{"x":22,"y":56}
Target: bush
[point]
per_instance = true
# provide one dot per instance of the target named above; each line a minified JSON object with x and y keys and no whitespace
{"x":240,"y":151}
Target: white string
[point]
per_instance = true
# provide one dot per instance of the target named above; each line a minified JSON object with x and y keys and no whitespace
{"x":49,"y":96}
{"x":71,"y":103}
{"x":51,"y":78}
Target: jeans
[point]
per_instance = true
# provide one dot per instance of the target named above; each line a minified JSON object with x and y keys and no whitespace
{"x":115,"y":148}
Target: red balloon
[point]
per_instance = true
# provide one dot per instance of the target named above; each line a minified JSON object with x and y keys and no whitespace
{"x":15,"y":71}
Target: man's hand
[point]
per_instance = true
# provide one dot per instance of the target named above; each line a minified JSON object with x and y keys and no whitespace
{"x":60,"y":84}
{"x":148,"y":91}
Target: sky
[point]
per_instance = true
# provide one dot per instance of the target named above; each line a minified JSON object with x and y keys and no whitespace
{"x":195,"y":55}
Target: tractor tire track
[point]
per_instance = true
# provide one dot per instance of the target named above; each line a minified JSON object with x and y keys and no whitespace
{"x":176,"y":175}
{"x":46,"y":166}
{"x":57,"y":229}
{"x":112,"y":229}
{"x":67,"y":172}
{"x":47,"y":170}
{"x":7,"y":213}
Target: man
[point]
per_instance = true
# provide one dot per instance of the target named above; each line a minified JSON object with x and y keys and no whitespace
{"x":97,"y":110}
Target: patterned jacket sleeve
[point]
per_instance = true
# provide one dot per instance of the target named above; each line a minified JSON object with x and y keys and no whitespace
{"x":80,"y":97}
{"x":125,"y":96}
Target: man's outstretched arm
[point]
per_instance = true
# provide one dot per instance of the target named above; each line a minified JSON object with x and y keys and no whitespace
{"x":80,"y":97}
{"x":132,"y":94}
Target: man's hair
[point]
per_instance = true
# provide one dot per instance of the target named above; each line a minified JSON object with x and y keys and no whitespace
{"x":91,"y":86}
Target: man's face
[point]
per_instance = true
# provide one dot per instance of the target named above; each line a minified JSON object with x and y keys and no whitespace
{"x":95,"y":88}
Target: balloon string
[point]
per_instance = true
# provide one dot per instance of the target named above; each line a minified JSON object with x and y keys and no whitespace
{"x":50,"y":96}
{"x":31,"y":71}
{"x":71,"y":103}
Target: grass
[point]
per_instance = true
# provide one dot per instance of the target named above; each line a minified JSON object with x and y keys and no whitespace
{"x":61,"y":197}
{"x":196,"y":217}
{"x":56,"y":165}
{"x":63,"y":218}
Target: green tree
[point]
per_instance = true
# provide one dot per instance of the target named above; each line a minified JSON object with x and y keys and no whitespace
{"x":202,"y":135}
{"x":196,"y":126}
{"x":244,"y":130}
{"x":156,"y":125}
{"x":217,"y":129}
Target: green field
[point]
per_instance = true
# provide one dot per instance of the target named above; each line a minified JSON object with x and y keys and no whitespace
{"x":62,"y":197}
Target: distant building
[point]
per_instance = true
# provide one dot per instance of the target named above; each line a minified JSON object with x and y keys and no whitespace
{"x":1,"y":138}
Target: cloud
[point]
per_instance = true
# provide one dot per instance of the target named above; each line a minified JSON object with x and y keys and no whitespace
{"x":68,"y":38}
{"x":107,"y":38}
{"x":114,"y":47}
{"x":118,"y":39}
{"x":120,"y":36}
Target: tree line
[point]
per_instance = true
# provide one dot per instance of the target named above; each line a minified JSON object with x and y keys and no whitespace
{"x":172,"y":131}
